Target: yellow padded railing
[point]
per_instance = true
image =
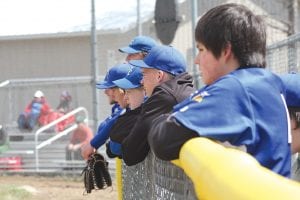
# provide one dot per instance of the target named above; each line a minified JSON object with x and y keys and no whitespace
{"x":225,"y":173}
{"x":119,"y":178}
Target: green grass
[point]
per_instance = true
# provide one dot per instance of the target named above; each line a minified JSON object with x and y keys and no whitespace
{"x":12,"y":192}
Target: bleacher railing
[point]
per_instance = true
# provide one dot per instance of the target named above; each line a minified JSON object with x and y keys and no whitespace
{"x":58,"y":135}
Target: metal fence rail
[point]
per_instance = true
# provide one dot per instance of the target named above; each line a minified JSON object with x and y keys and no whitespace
{"x":38,"y":146}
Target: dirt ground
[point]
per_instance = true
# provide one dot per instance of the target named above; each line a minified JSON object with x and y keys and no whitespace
{"x":57,"y":188}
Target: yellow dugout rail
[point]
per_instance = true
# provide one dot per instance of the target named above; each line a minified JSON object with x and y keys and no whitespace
{"x":119,"y":178}
{"x":225,"y":173}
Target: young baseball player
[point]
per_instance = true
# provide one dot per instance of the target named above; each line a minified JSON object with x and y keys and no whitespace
{"x":115,"y":95}
{"x":135,"y":96}
{"x":166,"y":84}
{"x":242,"y":103}
{"x":138,"y":47}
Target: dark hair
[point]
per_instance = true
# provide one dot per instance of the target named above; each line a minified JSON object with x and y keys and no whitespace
{"x":236,"y":25}
{"x":295,"y":115}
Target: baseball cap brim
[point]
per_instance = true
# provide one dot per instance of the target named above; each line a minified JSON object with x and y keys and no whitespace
{"x":292,"y":84}
{"x":128,"y":50}
{"x":125,"y":84}
{"x":139,"y":63}
{"x":104,"y":85}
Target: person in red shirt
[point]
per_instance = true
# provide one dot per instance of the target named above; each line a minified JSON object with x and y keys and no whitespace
{"x":35,"y":112}
{"x":65,"y":100}
{"x":63,"y":108}
{"x":80,"y":137}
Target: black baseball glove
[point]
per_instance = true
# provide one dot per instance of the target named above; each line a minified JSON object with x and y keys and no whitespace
{"x":96,"y":175}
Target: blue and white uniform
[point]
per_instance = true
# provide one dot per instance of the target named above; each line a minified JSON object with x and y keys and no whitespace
{"x":104,"y":128}
{"x":115,"y":73}
{"x":245,"y":108}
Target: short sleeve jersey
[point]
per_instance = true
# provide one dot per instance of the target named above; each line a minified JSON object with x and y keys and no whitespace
{"x":245,"y":107}
{"x":104,"y":128}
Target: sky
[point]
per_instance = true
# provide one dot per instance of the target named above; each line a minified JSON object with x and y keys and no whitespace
{"x":22,"y":17}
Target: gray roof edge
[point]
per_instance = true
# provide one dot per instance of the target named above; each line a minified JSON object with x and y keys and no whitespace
{"x":60,"y":34}
{"x":74,"y":33}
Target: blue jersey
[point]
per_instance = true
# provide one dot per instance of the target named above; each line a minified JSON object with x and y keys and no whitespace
{"x":115,"y":148}
{"x":292,"y":85}
{"x":115,"y":108}
{"x":104,"y":128}
{"x":244,"y":108}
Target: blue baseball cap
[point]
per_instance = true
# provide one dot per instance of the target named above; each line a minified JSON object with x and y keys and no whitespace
{"x":162,"y":57}
{"x":292,"y":86}
{"x":139,"y":44}
{"x":114,"y":73}
{"x":132,"y":80}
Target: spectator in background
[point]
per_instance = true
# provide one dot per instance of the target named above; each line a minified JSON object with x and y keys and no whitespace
{"x":35,"y":112}
{"x":3,"y":135}
{"x":81,"y":136}
{"x":63,"y":108}
{"x":3,"y":139}
{"x":65,"y":100}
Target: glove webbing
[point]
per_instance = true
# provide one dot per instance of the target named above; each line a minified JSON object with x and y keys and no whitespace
{"x":96,"y":173}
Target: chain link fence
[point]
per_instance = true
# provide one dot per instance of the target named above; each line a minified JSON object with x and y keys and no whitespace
{"x":16,"y":94}
{"x":283,"y":57}
{"x":156,"y":179}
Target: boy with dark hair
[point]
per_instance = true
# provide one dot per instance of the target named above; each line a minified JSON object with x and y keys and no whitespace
{"x":241,"y":104}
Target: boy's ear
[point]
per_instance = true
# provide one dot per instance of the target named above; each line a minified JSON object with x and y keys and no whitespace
{"x":227,"y":51}
{"x":160,"y":75}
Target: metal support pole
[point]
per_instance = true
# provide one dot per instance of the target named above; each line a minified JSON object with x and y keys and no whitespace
{"x":194,"y":7}
{"x":138,"y":17}
{"x":94,"y":66}
{"x":296,"y":16}
{"x":296,"y":30}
